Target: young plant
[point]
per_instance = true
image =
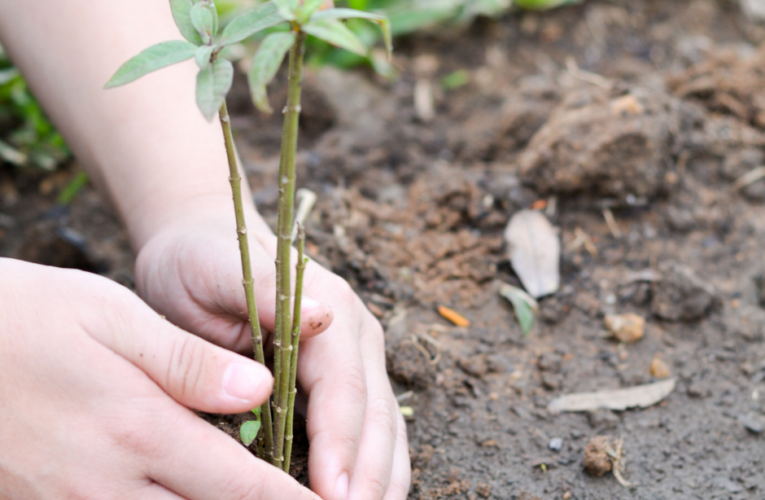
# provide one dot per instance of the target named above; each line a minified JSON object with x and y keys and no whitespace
{"x":197,"y":21}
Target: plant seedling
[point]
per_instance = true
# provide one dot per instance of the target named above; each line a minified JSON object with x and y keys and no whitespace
{"x":197,"y":21}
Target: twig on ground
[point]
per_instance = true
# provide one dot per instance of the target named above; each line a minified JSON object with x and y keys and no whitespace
{"x":587,"y":76}
{"x":611,"y":222}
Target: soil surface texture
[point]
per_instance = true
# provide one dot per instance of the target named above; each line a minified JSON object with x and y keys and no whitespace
{"x":637,"y":128}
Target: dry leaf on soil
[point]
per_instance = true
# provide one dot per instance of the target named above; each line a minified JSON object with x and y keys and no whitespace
{"x":641,"y":396}
{"x":534,"y":250}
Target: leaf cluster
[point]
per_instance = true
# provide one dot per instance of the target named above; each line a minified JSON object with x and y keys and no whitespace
{"x":198,"y":22}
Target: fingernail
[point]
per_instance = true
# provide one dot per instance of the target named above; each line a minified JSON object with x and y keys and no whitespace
{"x":307,"y":303}
{"x":341,"y":486}
{"x":242,"y":379}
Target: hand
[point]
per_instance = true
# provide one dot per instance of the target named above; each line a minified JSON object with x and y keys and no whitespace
{"x":190,"y":271}
{"x":93,"y":390}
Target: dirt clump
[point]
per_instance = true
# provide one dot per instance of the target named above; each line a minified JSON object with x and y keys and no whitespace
{"x":597,"y":461}
{"x":410,"y":364}
{"x":728,"y":83}
{"x":595,"y":143}
{"x":681,"y":296}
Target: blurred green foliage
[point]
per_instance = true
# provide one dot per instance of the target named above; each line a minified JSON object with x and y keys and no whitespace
{"x":27,"y":138}
{"x":408,"y":16}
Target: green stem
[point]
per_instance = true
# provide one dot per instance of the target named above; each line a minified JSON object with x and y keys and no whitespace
{"x":244,"y":250}
{"x":288,"y":438}
{"x":283,"y":340}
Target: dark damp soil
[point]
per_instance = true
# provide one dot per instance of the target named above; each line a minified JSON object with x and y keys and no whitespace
{"x":647,"y":110}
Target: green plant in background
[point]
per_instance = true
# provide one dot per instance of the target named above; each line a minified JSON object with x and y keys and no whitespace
{"x":27,"y":138}
{"x":198,"y":22}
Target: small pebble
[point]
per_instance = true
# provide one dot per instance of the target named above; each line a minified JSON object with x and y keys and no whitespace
{"x":556,"y":444}
{"x":626,"y":328}
{"x":659,"y":368}
{"x":752,"y":423}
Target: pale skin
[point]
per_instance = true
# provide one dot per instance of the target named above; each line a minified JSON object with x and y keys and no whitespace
{"x":95,"y":385}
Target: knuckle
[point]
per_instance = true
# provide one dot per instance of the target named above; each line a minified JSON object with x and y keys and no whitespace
{"x":375,"y":487}
{"x":343,"y":290}
{"x":188,"y":361}
{"x":131,"y":434}
{"x":353,"y":383}
{"x":382,"y":412}
{"x":238,"y":489}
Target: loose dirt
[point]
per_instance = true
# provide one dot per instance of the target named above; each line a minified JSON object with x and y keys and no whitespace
{"x":654,"y":120}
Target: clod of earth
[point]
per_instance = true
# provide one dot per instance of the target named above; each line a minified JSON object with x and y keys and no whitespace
{"x":596,"y":459}
{"x":627,"y":328}
{"x":680,"y":295}
{"x":602,"y":142}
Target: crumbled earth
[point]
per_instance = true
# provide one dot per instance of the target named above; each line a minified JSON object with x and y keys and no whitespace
{"x":654,"y":121}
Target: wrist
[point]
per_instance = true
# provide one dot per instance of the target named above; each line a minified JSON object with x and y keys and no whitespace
{"x":192,"y":211}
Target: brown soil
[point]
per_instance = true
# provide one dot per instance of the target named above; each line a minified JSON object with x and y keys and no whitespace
{"x":664,"y":114}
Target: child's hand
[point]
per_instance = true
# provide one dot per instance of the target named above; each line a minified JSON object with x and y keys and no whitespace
{"x":93,"y":390}
{"x":190,"y":271}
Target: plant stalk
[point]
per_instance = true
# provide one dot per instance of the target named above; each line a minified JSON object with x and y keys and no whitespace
{"x":288,"y":438}
{"x":283,"y":342}
{"x":244,"y":249}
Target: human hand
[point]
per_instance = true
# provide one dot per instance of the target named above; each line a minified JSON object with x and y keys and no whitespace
{"x":190,"y":271}
{"x":93,"y":390}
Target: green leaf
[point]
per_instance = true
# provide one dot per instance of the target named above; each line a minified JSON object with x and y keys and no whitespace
{"x":249,"y":431}
{"x":336,"y":33}
{"x":213,"y":83}
{"x":523,"y":304}
{"x":455,"y":79}
{"x":249,"y":23}
{"x":182,"y":15}
{"x":543,"y":4}
{"x":265,"y":64}
{"x":382,"y":21}
{"x":286,"y":8}
{"x":307,"y":9}
{"x":204,"y":21}
{"x":154,"y":58}
{"x":203,"y":55}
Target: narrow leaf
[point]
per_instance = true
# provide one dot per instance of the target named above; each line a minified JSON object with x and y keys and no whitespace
{"x":382,"y":21}
{"x":213,"y":83}
{"x":202,"y":20}
{"x":154,"y":58}
{"x":523,"y":305}
{"x":265,"y":64}
{"x":249,"y":431}
{"x":641,"y":396}
{"x":249,"y":23}
{"x":182,"y":16}
{"x":203,"y":55}
{"x":308,"y":8}
{"x":286,"y":8}
{"x":336,"y":33}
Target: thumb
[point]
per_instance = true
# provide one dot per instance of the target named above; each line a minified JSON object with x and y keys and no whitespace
{"x":194,"y":372}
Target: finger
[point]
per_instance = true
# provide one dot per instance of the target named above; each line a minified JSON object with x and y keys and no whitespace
{"x":374,"y":462}
{"x":224,"y":471}
{"x":213,"y":304}
{"x":331,"y":371}
{"x":401,"y":478}
{"x":192,"y":371}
